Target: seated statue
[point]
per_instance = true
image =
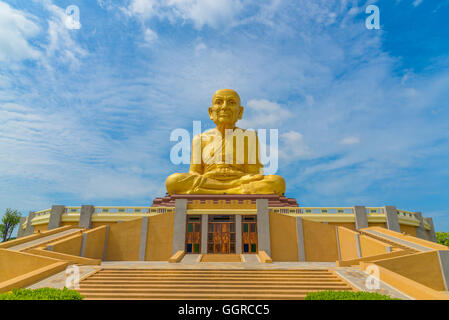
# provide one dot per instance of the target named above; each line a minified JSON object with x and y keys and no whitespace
{"x":225,"y":160}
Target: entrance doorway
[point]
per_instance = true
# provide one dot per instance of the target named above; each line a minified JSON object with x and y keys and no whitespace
{"x":221,"y":234}
{"x":249,"y":234}
{"x":193,"y":234}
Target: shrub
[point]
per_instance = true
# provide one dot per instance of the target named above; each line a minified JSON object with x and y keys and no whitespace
{"x":41,"y":294}
{"x":346,"y":295}
{"x":442,"y":238}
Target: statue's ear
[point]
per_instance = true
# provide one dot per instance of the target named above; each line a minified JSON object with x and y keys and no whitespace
{"x":240,"y":114}
{"x":211,"y":113}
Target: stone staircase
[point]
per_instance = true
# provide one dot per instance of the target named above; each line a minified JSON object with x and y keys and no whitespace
{"x":194,"y":284}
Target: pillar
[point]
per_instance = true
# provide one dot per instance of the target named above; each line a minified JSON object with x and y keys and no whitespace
{"x":21,"y":231}
{"x":300,"y":240}
{"x":29,"y":228}
{"x":420,"y":230}
{"x":55,"y":216}
{"x":143,"y":238}
{"x":179,"y":231}
{"x":361,"y":221}
{"x":204,"y":226}
{"x":431,"y":232}
{"x":263,"y":226}
{"x":238,"y":234}
{"x":391,"y":214}
{"x":86,"y":216}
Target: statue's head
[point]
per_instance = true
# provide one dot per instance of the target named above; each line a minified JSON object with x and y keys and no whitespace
{"x":225,"y":109}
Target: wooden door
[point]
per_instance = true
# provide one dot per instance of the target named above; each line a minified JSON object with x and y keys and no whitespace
{"x":249,"y":234}
{"x":193,"y":234}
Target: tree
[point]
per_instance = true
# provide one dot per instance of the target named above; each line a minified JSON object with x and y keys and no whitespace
{"x":443,"y":238}
{"x":10,"y":220}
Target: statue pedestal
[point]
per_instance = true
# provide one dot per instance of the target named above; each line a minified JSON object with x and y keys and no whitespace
{"x":211,"y":200}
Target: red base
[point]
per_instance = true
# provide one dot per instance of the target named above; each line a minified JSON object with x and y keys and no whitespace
{"x":273,"y":199}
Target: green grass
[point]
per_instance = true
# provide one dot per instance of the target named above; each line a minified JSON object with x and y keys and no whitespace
{"x":346,"y":295}
{"x":41,"y":294}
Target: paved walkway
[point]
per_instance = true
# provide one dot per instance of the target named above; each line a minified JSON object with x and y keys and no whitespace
{"x":358,"y":279}
{"x":58,"y":280}
{"x":36,"y":242}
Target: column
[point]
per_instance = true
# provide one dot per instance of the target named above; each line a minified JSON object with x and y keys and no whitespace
{"x":204,"y":228}
{"x":238,"y":234}
{"x":263,"y":226}
{"x":55,"y":216}
{"x":391,"y":214}
{"x":143,"y":238}
{"x":21,"y":231}
{"x":431,"y":232}
{"x":179,"y":228}
{"x":300,"y":240}
{"x":29,"y":228}
{"x":421,"y":230}
{"x":361,"y":220}
{"x":86,"y":216}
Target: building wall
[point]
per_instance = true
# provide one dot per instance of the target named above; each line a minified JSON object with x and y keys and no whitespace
{"x":124,"y":241}
{"x":421,"y":267}
{"x":348,"y":246}
{"x":372,"y":247}
{"x":283,"y":239}
{"x":411,"y":230}
{"x":41,"y":228}
{"x":70,"y":245}
{"x":95,"y":242}
{"x":160,"y":237}
{"x":320,"y":242}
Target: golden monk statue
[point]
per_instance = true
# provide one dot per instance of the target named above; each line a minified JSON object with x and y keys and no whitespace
{"x":225,"y":160}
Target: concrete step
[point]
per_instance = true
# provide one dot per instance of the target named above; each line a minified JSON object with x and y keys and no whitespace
{"x":208,"y":284}
{"x":214,"y":286}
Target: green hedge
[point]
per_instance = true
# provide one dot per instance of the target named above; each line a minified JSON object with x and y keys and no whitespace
{"x":346,"y":295}
{"x":41,"y":294}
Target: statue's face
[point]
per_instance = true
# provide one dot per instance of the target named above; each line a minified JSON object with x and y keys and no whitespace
{"x":226,"y":108}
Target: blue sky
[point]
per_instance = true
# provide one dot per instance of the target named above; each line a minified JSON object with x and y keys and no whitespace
{"x":363,"y":117}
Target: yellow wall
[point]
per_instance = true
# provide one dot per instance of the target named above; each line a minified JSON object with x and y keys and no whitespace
{"x":124,"y":241}
{"x":377,"y":224}
{"x":411,"y":230}
{"x":160,"y":237}
{"x":41,"y":228}
{"x":70,"y":245}
{"x":372,"y":247}
{"x":348,"y":246}
{"x":348,"y":225}
{"x":13,"y":263}
{"x":95,"y":242}
{"x":421,"y":267}
{"x":284,"y":245}
{"x":320,"y":241}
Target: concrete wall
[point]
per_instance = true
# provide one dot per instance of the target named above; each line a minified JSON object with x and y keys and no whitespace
{"x":411,"y":230}
{"x":284,"y":246}
{"x":372,"y":247}
{"x":320,"y":242}
{"x":124,"y":241}
{"x":348,"y":245}
{"x":94,"y":243}
{"x":160,"y":237}
{"x":70,"y":245}
{"x":423,"y":268}
{"x":13,"y":263}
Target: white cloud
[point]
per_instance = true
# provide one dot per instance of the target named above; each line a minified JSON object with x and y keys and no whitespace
{"x":214,"y":13}
{"x":417,"y":2}
{"x":150,"y":35}
{"x":263,"y":114}
{"x":350,"y":140}
{"x":293,"y":147}
{"x":16,"y":29}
